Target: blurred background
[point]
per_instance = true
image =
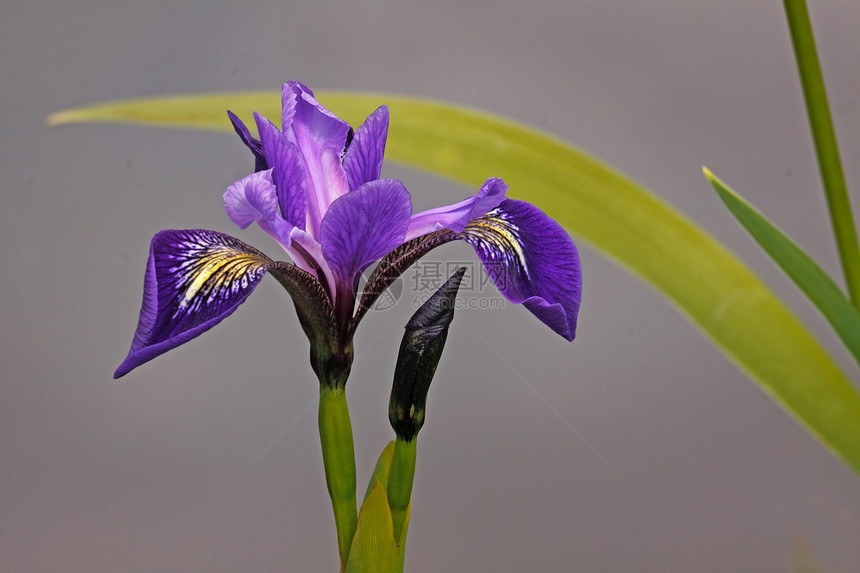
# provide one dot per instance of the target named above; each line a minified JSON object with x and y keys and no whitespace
{"x":656,"y":453}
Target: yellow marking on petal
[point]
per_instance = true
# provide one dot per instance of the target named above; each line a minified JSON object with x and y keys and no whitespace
{"x":222,"y":267}
{"x":201,"y":277}
{"x":497,"y":231}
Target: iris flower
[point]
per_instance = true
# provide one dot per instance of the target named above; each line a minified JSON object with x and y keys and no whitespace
{"x":316,"y":190}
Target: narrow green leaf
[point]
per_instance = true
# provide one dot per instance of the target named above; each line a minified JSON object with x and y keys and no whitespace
{"x":799,"y":266}
{"x":602,"y":208}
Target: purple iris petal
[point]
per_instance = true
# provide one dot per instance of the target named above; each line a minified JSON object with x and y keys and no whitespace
{"x":321,"y":137}
{"x":362,"y":161}
{"x":251,"y":198}
{"x":307,"y":255}
{"x":289,"y":93}
{"x":288,"y":172}
{"x":456,"y":217}
{"x":255,"y":198}
{"x":363,"y":225}
{"x":532,"y":260}
{"x":249,"y":140}
{"x":194,"y":280}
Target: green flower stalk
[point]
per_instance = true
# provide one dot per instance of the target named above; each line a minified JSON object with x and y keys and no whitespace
{"x":339,"y":462}
{"x":826,"y":148}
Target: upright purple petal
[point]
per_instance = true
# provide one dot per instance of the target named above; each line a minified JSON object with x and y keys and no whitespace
{"x":456,"y":217}
{"x":364,"y":225}
{"x":194,"y":280}
{"x":249,"y":140}
{"x":289,"y":173}
{"x":532,"y":260}
{"x":362,"y":161}
{"x":312,"y":125}
{"x":290,"y":92}
{"x":321,"y":138}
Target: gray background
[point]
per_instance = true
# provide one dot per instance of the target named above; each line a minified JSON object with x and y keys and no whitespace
{"x":207,"y":459}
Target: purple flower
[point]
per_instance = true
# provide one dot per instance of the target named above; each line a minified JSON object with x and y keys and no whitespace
{"x":316,"y":190}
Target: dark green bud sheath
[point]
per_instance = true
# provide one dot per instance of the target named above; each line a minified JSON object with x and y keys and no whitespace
{"x":420,"y":352}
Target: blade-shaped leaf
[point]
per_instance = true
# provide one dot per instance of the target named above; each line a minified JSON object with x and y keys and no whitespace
{"x":601,"y":207}
{"x":201,"y":111}
{"x":806,"y":274}
{"x":381,"y":470}
{"x":374,"y":549}
{"x":379,"y":479}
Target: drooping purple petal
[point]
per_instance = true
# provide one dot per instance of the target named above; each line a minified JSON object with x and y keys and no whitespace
{"x":364,"y":225}
{"x":249,"y":140}
{"x":362,"y":161}
{"x":456,"y":217}
{"x":194,"y":280}
{"x":288,"y":172}
{"x":321,"y":138}
{"x":532,"y":260}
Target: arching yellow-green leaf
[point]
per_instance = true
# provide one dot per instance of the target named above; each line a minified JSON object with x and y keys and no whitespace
{"x":373,"y":547}
{"x":600,"y":207}
{"x":207,"y":111}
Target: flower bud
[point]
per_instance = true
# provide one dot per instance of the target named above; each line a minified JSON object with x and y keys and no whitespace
{"x":420,"y":352}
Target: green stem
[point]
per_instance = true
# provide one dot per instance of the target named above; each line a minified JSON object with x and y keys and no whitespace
{"x":825,"y":144}
{"x":339,"y":461}
{"x":400,"y":481}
